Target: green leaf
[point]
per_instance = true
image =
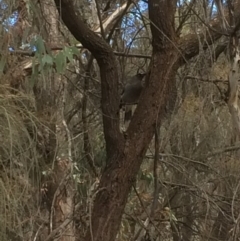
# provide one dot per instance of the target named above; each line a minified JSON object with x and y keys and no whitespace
{"x":34,"y":75}
{"x":68,"y":53}
{"x":2,"y":64}
{"x":74,"y":50}
{"x":39,"y":44}
{"x":47,"y":59}
{"x":60,"y":61}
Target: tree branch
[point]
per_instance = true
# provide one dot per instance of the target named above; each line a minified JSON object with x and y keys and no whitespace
{"x":108,"y":70}
{"x":189,"y":44}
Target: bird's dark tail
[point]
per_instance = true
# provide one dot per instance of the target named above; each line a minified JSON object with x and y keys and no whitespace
{"x":128,"y":113}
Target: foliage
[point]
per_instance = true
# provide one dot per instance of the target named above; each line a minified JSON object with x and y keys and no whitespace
{"x":51,"y":118}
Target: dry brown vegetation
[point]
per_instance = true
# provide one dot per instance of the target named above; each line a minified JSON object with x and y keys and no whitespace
{"x":67,"y":170}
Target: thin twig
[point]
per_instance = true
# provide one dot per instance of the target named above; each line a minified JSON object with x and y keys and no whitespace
{"x":155,"y":172}
{"x":100,"y":19}
{"x":86,"y":140}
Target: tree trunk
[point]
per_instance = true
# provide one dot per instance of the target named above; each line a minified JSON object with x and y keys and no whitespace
{"x":125,"y":152}
{"x":61,"y":193}
{"x":125,"y":156}
{"x":233,"y":91}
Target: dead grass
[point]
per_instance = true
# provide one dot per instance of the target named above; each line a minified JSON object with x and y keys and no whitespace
{"x":18,"y":163}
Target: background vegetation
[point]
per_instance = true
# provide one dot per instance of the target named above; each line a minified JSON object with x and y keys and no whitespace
{"x":54,"y":127}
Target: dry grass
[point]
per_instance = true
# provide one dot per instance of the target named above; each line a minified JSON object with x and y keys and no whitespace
{"x":18,"y":163}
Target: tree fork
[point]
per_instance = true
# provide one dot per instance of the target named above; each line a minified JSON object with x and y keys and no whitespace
{"x":125,"y":154}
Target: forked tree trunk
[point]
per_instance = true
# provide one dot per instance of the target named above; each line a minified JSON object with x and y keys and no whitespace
{"x":125,"y":152}
{"x":124,"y":156}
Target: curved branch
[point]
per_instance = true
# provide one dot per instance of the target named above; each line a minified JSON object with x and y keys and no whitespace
{"x":108,"y":70}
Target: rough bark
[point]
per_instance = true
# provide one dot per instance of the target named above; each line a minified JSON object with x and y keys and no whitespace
{"x":124,"y":163}
{"x":109,"y":77}
{"x":233,"y":105}
{"x":62,"y":201}
{"x":234,"y":73}
{"x":125,"y":154}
